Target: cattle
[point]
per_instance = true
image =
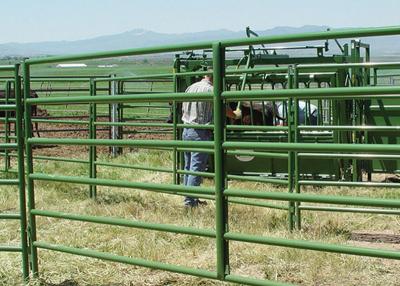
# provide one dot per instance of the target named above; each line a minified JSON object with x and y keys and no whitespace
{"x":252,"y":113}
{"x":275,"y":113}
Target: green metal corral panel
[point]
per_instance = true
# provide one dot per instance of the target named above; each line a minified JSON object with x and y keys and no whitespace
{"x":384,"y":113}
{"x":249,"y":164}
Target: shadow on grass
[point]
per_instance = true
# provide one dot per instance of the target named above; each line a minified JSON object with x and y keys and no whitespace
{"x":115,"y":198}
{"x":70,"y":282}
{"x":64,"y":283}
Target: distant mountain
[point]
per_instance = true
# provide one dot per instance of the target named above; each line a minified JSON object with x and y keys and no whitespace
{"x":144,"y":38}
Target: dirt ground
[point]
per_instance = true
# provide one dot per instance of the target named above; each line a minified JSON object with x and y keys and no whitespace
{"x":72,"y":131}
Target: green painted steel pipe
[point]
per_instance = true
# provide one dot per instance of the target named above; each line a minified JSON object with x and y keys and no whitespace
{"x":351,"y":128}
{"x":386,"y":75}
{"x":10,"y":216}
{"x":137,"y":167}
{"x":78,"y":76}
{"x":147,"y":105}
{"x":80,"y":122}
{"x":313,"y":147}
{"x":8,"y":146}
{"x":49,"y":158}
{"x":388,"y":108}
{"x":149,"y":132}
{"x":257,"y":70}
{"x":8,"y":107}
{"x":316,"y":93}
{"x":196,"y":126}
{"x":9,"y":182}
{"x":11,"y":171}
{"x":323,"y":199}
{"x":348,"y":184}
{"x":315,"y":36}
{"x":313,"y":245}
{"x":65,"y":79}
{"x":2,"y":119}
{"x":7,"y":67}
{"x":121,"y":184}
{"x":60,"y":159}
{"x":9,"y":248}
{"x":7,"y":91}
{"x":191,"y":74}
{"x":126,"y":223}
{"x":350,"y":210}
{"x":257,"y":179}
{"x":221,"y":206}
{"x":150,"y":124}
{"x":119,"y":53}
{"x":200,"y":150}
{"x":256,"y":203}
{"x":9,"y":137}
{"x":155,"y":76}
{"x":33,"y":258}
{"x":312,"y":67}
{"x":121,"y":142}
{"x":126,"y":260}
{"x":200,"y":96}
{"x":21,"y":173}
{"x":92,"y":136}
{"x":256,"y":127}
{"x":355,"y":156}
{"x":196,"y":173}
{"x":258,"y":154}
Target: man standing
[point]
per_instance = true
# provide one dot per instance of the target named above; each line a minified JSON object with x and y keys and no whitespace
{"x":198,"y":113}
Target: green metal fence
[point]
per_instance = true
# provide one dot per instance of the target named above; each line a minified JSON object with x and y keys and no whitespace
{"x":11,"y":107}
{"x":294,"y":150}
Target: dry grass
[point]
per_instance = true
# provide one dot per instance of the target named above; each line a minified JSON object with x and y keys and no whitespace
{"x":268,"y":262}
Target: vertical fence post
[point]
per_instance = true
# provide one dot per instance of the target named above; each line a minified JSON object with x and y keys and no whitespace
{"x":176,"y":112}
{"x":221,"y":203}
{"x":92,"y":135}
{"x":175,"y":175}
{"x":7,"y":91}
{"x":29,"y":170}
{"x":356,"y":75}
{"x":115,"y":130}
{"x":375,"y":76}
{"x":174,"y":115}
{"x":291,"y":159}
{"x":21,"y":172}
{"x":121,"y":110}
{"x":296,"y":138}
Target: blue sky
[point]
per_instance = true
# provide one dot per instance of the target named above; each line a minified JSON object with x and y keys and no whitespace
{"x":49,"y":20}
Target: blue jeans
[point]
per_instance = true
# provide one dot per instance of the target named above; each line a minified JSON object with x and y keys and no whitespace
{"x":313,"y":117}
{"x":194,"y":161}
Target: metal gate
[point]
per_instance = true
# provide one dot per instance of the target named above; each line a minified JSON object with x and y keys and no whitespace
{"x":12,"y":153}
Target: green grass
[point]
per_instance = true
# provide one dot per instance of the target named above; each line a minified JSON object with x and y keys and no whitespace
{"x":267,"y":262}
